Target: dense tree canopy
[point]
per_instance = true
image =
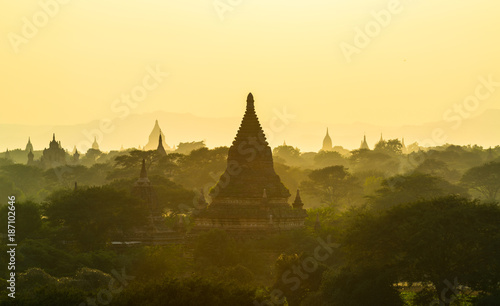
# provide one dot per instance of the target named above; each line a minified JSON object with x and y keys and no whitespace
{"x":93,"y":215}
{"x":434,"y":241}
{"x":485,"y":179}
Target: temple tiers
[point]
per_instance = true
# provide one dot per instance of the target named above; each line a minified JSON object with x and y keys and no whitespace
{"x":249,"y":198}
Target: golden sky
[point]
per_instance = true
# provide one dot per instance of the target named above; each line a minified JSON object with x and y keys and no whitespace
{"x":423,"y":57}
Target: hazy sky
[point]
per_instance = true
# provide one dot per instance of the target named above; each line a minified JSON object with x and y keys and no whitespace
{"x":425,"y":57}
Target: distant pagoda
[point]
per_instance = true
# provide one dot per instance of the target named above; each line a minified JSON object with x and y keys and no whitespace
{"x":153,"y":139}
{"x":30,"y":158}
{"x":364,"y":144}
{"x":54,"y":156}
{"x":95,"y":145}
{"x":250,"y":199}
{"x":29,"y":146}
{"x":327,"y":142}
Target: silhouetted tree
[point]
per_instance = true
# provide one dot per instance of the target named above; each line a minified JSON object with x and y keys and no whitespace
{"x":187,"y":147}
{"x":28,"y":219}
{"x":329,"y":158}
{"x":289,"y":154}
{"x":438,"y":168}
{"x":485,"y":179}
{"x":439,"y":241}
{"x":333,"y":185}
{"x":293,"y":280}
{"x":92,"y":215}
{"x":410,"y":188}
{"x":364,"y":286}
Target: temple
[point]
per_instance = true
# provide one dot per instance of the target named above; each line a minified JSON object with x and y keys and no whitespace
{"x":364,"y":144}
{"x":327,"y":142}
{"x":76,"y":156}
{"x":249,"y":198}
{"x":55,"y":155}
{"x":160,"y":149}
{"x":153,"y":139}
{"x":29,"y":146}
{"x":154,"y":231}
{"x":95,"y":145}
{"x":31,"y":162}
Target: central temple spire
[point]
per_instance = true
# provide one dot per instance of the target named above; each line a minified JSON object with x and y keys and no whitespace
{"x":250,"y":101}
{"x":249,"y":198}
{"x":251,"y":155}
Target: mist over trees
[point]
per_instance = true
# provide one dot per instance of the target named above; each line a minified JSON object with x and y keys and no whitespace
{"x":388,"y":226}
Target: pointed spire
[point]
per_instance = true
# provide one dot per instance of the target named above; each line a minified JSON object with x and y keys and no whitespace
{"x":298,"y":201}
{"x":160,"y":149}
{"x":364,"y":144}
{"x":54,"y":137}
{"x":76,"y":156}
{"x":284,"y":143}
{"x":29,"y":146}
{"x":250,"y":102}
{"x":327,"y":142}
{"x":144,"y":174}
{"x":95,"y":145}
{"x":30,"y":157}
{"x":381,"y":138}
{"x":257,"y":172}
{"x":153,"y":138}
{"x":143,"y":180}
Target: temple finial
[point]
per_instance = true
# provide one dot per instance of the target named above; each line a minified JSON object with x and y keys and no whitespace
{"x":250,"y":101}
{"x":54,"y":136}
{"x":298,"y":201}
